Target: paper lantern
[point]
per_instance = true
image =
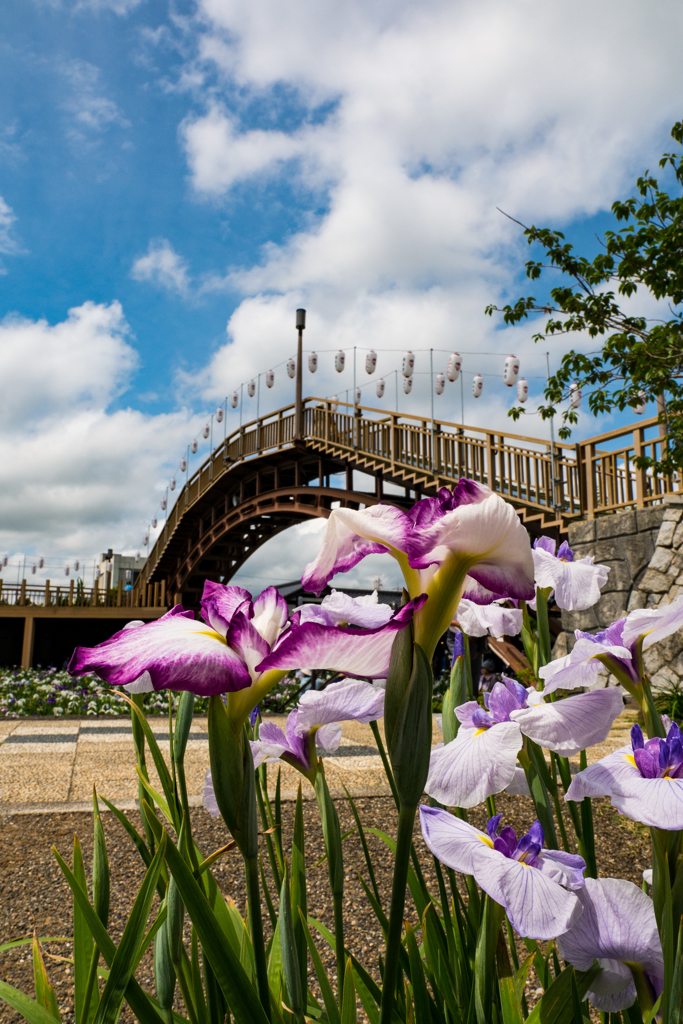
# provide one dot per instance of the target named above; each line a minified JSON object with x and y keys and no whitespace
{"x":407,"y":385}
{"x":334,"y":403}
{"x":522,"y":390}
{"x":66,"y":571}
{"x":145,"y":540}
{"x":219,"y":414}
{"x":291,"y":367}
{"x":183,"y":465}
{"x":477,"y":385}
{"x":511,"y":371}
{"x":371,"y":361}
{"x":439,"y":383}
{"x":408,"y":365}
{"x":312,"y":362}
{"x":234,"y":399}
{"x":379,"y":388}
{"x":454,"y":365}
{"x":154,"y":523}
{"x":163,"y":504}
{"x":77,"y":566}
{"x":137,"y":556}
{"x":640,"y":408}
{"x":270,"y":378}
{"x":41,"y":563}
{"x":574,"y":396}
{"x":194,"y":446}
{"x":172,"y":484}
{"x":339,"y":360}
{"x":358,"y":396}
{"x":206,"y":431}
{"x":251,"y":388}
{"x":34,"y":570}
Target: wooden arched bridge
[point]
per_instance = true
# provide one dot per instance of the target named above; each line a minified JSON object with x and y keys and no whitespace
{"x":305,"y":459}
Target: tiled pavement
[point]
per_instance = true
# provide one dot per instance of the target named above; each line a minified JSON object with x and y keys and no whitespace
{"x":52,"y":764}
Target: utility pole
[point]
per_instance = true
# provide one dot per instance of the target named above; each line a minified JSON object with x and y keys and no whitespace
{"x":298,"y":409}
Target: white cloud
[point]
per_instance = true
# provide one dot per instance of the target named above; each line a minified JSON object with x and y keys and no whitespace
{"x":8,"y":242}
{"x":91,"y":110}
{"x":78,"y":474}
{"x":162,"y":266}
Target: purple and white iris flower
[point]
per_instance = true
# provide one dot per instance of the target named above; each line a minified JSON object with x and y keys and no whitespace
{"x":576,"y":584}
{"x":482,"y":758}
{"x":618,"y":648}
{"x":441,"y":543}
{"x":644,"y":779}
{"x":529,"y":882}
{"x":493,"y":619}
{"x":617,"y":928}
{"x":312,"y":729}
{"x":242,"y":648}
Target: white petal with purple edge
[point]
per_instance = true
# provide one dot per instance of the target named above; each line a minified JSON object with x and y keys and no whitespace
{"x":179,"y":653}
{"x":270,"y":614}
{"x":653,"y":623}
{"x":569,"y":725}
{"x":565,"y":868}
{"x":340,"y":702}
{"x":350,"y":536}
{"x":328,"y":737}
{"x":654,"y":802}
{"x":476,"y":764}
{"x":262,"y":751}
{"x":478,"y":620}
{"x":356,"y":611}
{"x":538,"y":907}
{"x":245,"y":638}
{"x":618,"y":925}
{"x":519,"y":785}
{"x":580,"y":667}
{"x":576,"y":584}
{"x":219,"y":603}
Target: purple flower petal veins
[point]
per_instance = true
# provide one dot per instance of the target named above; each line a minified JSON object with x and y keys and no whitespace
{"x":480,"y":620}
{"x":529,"y":882}
{"x":341,"y":610}
{"x":643,"y":780}
{"x":653,"y":624}
{"x":570,"y":725}
{"x":577,"y":584}
{"x":476,"y":764}
{"x":617,"y":927}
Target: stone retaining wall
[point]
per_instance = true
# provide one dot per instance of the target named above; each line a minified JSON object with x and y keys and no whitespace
{"x":644,"y":550}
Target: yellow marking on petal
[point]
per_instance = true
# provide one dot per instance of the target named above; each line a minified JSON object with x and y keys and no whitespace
{"x":212,"y":633}
{"x":479,"y":732}
{"x":631,"y":759}
{"x":486,"y":840}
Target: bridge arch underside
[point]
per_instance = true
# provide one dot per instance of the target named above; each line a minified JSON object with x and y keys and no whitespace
{"x":248,"y":506}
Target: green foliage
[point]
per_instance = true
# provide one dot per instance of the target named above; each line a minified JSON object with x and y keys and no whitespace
{"x":637,"y":355}
{"x":669,"y":701}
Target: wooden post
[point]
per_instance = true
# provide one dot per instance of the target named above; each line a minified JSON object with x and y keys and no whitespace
{"x":48,"y":596}
{"x":162,"y":599}
{"x":22,"y":594}
{"x":1,"y":582}
{"x":591,"y":498}
{"x":490,"y":467}
{"x":178,"y":599}
{"x":119,"y":594}
{"x":95,"y":600}
{"x":641,"y":481}
{"x":27,"y":645}
{"x":298,"y":408}
{"x":156,"y":596}
{"x":71,"y":592}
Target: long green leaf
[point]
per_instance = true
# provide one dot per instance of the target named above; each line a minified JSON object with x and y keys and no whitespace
{"x":30,"y":1010}
{"x":126,"y":956}
{"x":159,"y":762}
{"x":230,"y":975}
{"x":349,"y":1014}
{"x":330,"y":1002}
{"x":417,"y":979}
{"x":362,"y":975}
{"x":555,"y":1006}
{"x":288,"y":950}
{"x":83,"y":941}
{"x":140,"y":843}
{"x":137,"y":999}
{"x":45,"y":990}
{"x":299,"y":892}
{"x":27,"y":942}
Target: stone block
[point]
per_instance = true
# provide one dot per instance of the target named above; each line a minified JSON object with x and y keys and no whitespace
{"x":661,"y":560}
{"x":653,"y":659}
{"x":653,"y":600}
{"x":670,"y":647}
{"x":637,"y":600}
{"x":611,"y":607}
{"x":581,"y":533}
{"x":663,"y":679}
{"x":607,"y":550}
{"x":673,"y":515}
{"x":678,"y":536}
{"x":650,"y":518}
{"x":637,"y":551}
{"x":586,"y":621}
{"x":675,"y":592}
{"x":664,"y":601}
{"x":560,"y":647}
{"x":666,"y":535}
{"x":616,"y":525}
{"x":619,"y":577}
{"x":677,"y":559}
{"x":677,"y":665}
{"x":655,"y":582}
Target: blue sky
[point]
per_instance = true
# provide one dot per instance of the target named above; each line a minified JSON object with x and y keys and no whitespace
{"x":182,"y":176}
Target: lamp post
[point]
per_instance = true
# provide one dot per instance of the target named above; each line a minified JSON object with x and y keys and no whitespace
{"x":298,"y":408}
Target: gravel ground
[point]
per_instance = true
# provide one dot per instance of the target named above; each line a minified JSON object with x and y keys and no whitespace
{"x":34,"y":894}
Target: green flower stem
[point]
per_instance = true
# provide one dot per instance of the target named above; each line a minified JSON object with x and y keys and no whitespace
{"x":653,"y":721}
{"x":335,"y":867}
{"x":468,"y":666}
{"x":406,"y":821}
{"x":543,"y":625}
{"x":256,"y":920}
{"x":533,"y":762}
{"x":587,"y":847}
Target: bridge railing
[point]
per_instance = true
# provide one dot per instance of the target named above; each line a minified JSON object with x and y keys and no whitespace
{"x":591,"y":477}
{"x":45,"y":595}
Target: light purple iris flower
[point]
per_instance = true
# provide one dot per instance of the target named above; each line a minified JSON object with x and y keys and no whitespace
{"x":493,"y":619}
{"x":617,"y":928}
{"x":529,"y":882}
{"x":242,"y":648}
{"x":644,"y":780}
{"x":441,"y":543}
{"x":616,"y":648}
{"x":576,"y":584}
{"x":312,"y":729}
{"x":482,"y":758}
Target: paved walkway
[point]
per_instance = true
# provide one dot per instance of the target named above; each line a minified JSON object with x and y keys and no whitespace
{"x":52,"y":764}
